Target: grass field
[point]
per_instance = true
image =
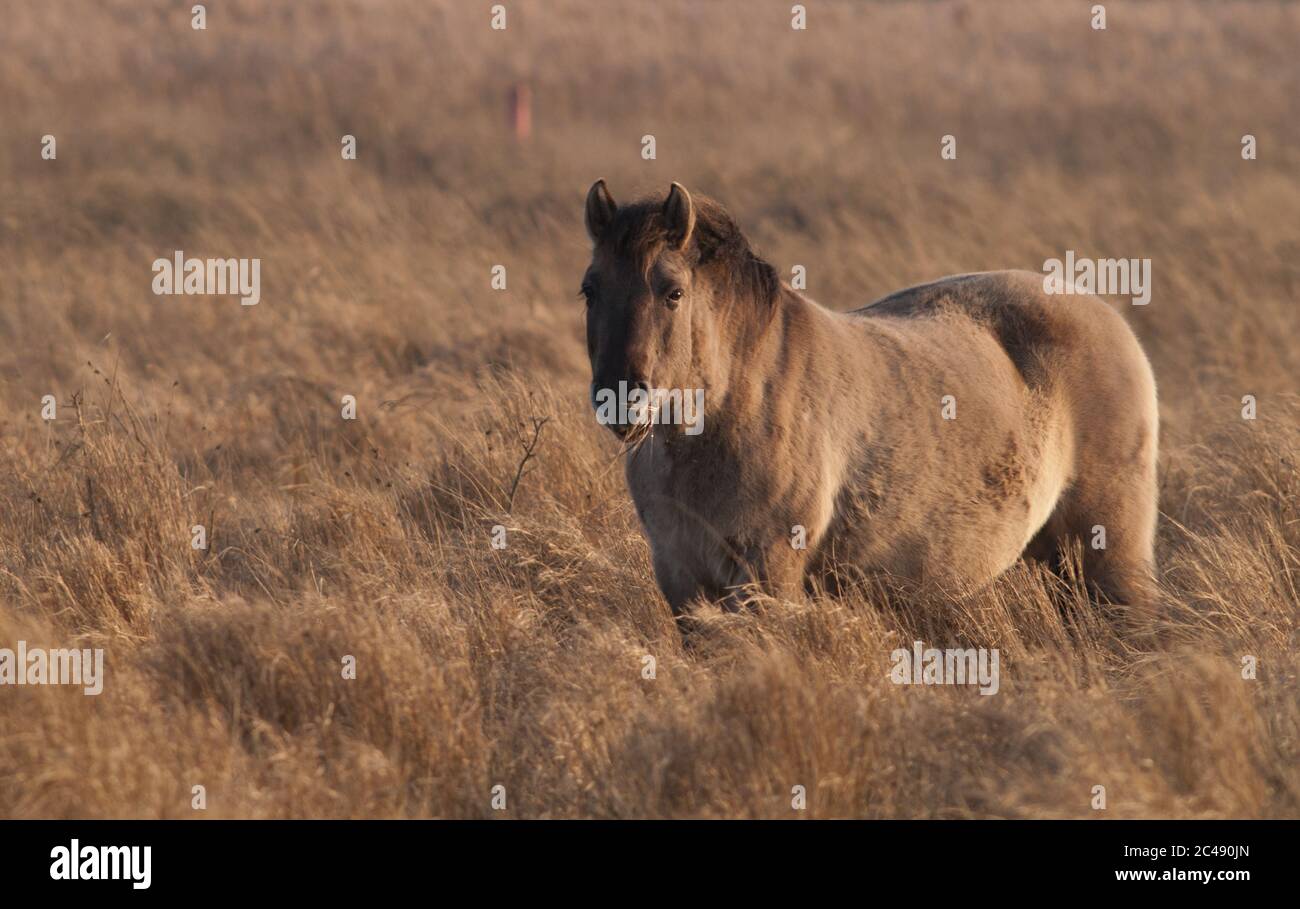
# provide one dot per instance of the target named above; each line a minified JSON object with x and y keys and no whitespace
{"x":370,"y":538}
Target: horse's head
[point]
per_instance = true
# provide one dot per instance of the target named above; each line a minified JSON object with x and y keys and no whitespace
{"x":664,"y":291}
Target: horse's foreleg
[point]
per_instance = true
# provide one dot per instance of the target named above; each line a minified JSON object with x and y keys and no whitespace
{"x":679,"y":586}
{"x":777,"y":570}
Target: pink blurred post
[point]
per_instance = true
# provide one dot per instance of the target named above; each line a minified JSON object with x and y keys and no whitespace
{"x":521,"y":111}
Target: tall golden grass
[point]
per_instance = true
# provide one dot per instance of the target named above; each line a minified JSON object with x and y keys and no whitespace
{"x":523,"y":667}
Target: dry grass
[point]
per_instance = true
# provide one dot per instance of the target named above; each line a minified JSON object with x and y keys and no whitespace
{"x":371,"y":538}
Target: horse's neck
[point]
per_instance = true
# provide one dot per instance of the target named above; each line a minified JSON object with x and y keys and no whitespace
{"x":788,"y":330}
{"x":751,"y":344}
{"x":802,"y":350}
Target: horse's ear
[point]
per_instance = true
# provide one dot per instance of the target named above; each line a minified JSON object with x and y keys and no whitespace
{"x":679,"y":217}
{"x":600,"y":210}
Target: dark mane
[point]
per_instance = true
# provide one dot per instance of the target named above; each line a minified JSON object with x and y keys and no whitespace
{"x":718,"y":246}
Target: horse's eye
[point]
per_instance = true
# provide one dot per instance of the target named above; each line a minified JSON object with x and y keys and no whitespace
{"x":587,"y":293}
{"x":674,"y":297}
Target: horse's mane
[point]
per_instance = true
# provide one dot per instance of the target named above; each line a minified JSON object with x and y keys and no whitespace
{"x":717,"y":244}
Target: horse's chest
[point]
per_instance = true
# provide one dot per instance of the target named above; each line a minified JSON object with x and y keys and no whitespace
{"x":693,"y":511}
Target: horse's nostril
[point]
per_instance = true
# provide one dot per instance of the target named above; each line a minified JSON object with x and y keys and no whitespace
{"x":622,"y":403}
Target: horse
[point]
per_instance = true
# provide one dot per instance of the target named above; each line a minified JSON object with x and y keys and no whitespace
{"x":933,"y":437}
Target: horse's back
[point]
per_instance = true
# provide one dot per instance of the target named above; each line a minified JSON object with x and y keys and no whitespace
{"x":973,"y":289}
{"x":1073,"y":352}
{"x":1049,"y":338}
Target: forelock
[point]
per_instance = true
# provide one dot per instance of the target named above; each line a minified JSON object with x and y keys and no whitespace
{"x":638,"y":234}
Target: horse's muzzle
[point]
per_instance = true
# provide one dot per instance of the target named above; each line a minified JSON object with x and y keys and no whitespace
{"x":611,"y":402}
